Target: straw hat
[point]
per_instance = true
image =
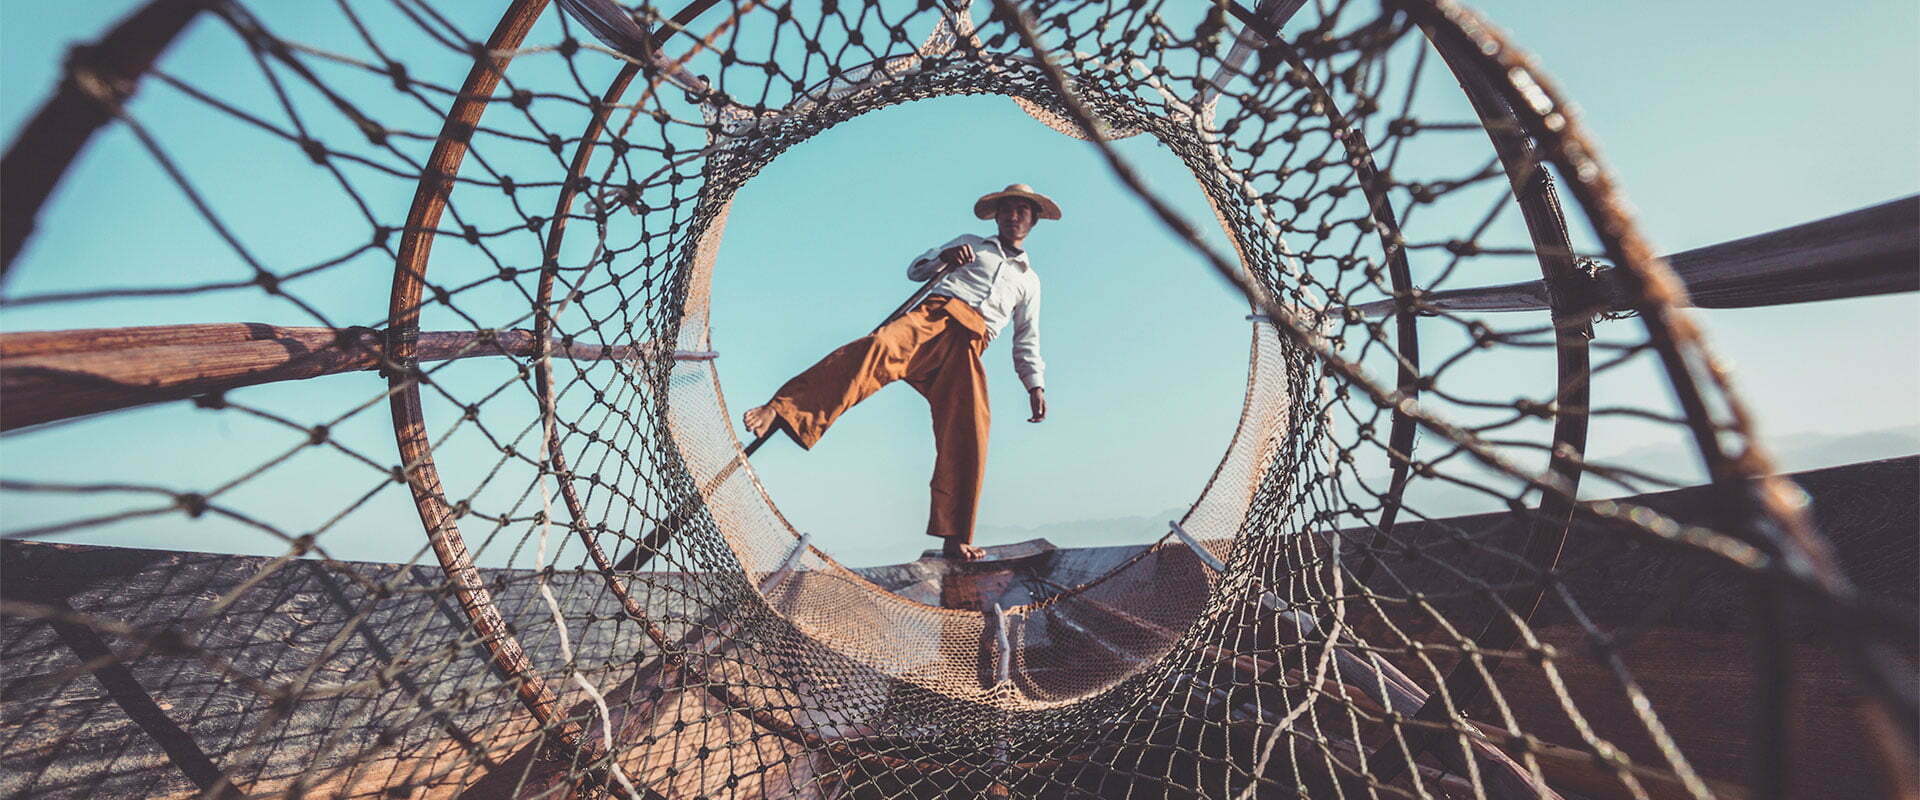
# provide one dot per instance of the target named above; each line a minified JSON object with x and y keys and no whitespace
{"x":983,"y":207}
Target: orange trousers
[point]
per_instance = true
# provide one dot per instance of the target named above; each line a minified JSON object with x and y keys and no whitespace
{"x":936,"y":348}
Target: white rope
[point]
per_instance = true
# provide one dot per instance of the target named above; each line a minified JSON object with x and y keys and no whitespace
{"x":546,"y":589}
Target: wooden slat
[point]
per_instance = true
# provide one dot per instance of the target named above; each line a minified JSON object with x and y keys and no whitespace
{"x":787,"y":565}
{"x":1206,"y":556}
{"x":1002,"y":647}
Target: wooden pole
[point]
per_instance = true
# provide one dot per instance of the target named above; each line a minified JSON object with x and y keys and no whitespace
{"x":54,"y":375}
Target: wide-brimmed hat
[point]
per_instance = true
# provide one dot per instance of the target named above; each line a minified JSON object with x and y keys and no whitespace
{"x":983,"y":207}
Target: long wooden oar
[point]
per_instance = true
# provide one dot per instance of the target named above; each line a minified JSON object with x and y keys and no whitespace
{"x":652,"y":542}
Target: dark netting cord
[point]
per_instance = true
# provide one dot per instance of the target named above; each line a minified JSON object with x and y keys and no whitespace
{"x":611,"y":604}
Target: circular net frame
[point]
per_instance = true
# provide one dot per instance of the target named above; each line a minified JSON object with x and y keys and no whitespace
{"x":623,"y":607}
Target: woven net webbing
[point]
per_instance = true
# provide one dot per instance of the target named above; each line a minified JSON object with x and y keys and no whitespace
{"x":607,"y":601}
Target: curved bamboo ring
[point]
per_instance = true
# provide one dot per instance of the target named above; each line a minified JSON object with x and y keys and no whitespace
{"x":403,"y":320}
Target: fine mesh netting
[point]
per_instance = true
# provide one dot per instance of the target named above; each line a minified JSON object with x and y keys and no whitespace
{"x":1384,"y":590}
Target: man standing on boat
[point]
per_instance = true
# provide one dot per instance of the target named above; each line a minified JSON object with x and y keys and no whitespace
{"x":987,"y":283}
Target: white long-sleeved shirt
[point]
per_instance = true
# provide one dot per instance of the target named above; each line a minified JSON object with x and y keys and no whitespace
{"x":1003,"y":287}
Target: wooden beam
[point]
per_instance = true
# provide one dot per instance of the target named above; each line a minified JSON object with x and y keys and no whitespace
{"x":54,"y":375}
{"x":1857,"y":254}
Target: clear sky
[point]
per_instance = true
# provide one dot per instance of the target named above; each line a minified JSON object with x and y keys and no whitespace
{"x":1722,"y":119}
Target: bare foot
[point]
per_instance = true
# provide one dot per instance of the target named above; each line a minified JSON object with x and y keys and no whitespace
{"x":962,"y":551}
{"x":759,"y":419}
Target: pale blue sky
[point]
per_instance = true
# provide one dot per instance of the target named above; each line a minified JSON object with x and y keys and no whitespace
{"x":1721,"y":119}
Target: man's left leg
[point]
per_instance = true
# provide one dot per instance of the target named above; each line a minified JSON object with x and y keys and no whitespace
{"x":955,"y":385}
{"x":806,"y":406}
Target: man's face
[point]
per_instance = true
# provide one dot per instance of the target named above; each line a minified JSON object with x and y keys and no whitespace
{"x":1015,"y":216}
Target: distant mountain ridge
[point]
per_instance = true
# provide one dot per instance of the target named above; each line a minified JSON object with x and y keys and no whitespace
{"x":1138,"y":529}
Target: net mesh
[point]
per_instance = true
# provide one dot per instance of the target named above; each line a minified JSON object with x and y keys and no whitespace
{"x":607,"y":600}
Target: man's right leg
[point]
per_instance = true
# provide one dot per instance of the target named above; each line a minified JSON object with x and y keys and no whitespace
{"x":806,"y":406}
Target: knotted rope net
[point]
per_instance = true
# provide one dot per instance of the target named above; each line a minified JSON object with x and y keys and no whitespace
{"x":607,"y":601}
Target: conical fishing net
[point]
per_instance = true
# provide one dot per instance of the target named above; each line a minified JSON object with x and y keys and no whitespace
{"x":607,"y":601}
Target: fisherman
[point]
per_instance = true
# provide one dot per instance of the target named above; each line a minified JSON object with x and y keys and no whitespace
{"x":936,"y":347}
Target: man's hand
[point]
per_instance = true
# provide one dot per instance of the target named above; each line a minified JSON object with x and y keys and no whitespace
{"x":955,"y":256}
{"x":1038,"y":398}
